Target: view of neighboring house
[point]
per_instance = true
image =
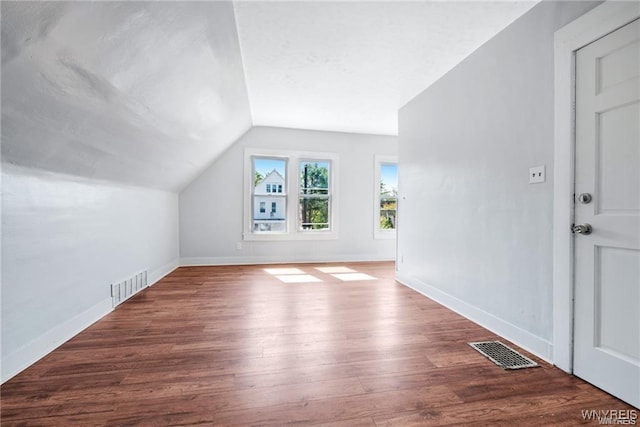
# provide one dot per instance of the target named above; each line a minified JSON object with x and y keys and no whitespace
{"x":269,"y":203}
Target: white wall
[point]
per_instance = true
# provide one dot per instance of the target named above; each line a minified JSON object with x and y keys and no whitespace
{"x":64,"y":241}
{"x":211,"y":207}
{"x":473,"y":233}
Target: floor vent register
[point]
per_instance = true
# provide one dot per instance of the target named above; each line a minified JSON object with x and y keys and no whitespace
{"x":502,"y":355}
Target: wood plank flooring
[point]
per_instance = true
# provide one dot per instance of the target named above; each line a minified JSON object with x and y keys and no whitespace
{"x":235,"y":345}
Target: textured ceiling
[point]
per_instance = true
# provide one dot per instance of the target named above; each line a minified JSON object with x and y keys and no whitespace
{"x":350,"y":66}
{"x":143,"y":93}
{"x":150,"y":93}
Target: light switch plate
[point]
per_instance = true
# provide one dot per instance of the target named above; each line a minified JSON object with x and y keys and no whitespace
{"x":537,"y":175}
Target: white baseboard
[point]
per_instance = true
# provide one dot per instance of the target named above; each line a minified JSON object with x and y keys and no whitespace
{"x":520,"y":337}
{"x":35,"y":350}
{"x":157,"y":274}
{"x":251,"y":260}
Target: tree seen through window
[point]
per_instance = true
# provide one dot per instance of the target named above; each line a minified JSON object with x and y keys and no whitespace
{"x":314,"y":195}
{"x":388,"y":195}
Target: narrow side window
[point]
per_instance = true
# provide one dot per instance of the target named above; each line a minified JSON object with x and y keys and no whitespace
{"x":386,"y":200}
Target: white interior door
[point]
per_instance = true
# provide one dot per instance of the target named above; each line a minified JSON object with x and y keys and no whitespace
{"x":607,"y":261}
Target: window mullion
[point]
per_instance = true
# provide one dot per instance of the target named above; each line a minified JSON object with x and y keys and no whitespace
{"x":292,"y":199}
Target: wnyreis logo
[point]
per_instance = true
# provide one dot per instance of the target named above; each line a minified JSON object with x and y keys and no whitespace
{"x":627,"y":417}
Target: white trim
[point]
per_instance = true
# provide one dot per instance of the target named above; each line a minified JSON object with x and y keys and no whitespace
{"x":591,"y":26}
{"x":270,"y":259}
{"x":27,"y":355}
{"x":520,"y":337}
{"x":292,"y":191}
{"x":22,"y":358}
{"x":156,"y":275}
{"x":378,"y":233}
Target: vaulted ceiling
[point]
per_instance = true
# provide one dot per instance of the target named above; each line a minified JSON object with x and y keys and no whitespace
{"x":144,"y":93}
{"x":150,"y":93}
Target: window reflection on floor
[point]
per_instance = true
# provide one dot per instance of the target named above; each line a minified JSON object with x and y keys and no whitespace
{"x":337,"y":269}
{"x":298,"y":278}
{"x":348,"y":277}
{"x":297,"y":275}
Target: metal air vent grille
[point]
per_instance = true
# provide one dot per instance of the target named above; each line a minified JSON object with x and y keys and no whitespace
{"x":502,"y":355}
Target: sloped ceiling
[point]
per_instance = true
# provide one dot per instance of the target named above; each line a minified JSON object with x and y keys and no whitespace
{"x":150,"y":93}
{"x":143,"y":93}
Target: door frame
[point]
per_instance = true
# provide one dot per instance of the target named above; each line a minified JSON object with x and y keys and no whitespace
{"x":591,"y":26}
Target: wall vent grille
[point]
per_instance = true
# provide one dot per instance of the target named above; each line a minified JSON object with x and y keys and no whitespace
{"x":122,"y":291}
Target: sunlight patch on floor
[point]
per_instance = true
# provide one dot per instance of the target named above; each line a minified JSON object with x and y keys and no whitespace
{"x":298,"y":278}
{"x":348,"y":277}
{"x":297,"y":275}
{"x":336,"y":269}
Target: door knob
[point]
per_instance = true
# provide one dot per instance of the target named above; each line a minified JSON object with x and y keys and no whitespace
{"x":582,"y":229}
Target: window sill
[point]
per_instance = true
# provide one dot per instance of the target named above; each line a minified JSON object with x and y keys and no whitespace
{"x":384,"y":235}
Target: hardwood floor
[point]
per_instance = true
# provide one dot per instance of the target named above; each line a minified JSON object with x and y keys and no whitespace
{"x":235,"y":345}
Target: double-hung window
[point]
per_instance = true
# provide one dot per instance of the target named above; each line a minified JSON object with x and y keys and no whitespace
{"x":268,"y":172}
{"x":290,"y":195}
{"x":386,"y":197}
{"x":315,"y":195}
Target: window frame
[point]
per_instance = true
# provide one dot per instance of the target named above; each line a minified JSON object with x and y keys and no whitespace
{"x":382,"y":233}
{"x":293,"y":228}
{"x":268,"y":194}
{"x":310,"y":196}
